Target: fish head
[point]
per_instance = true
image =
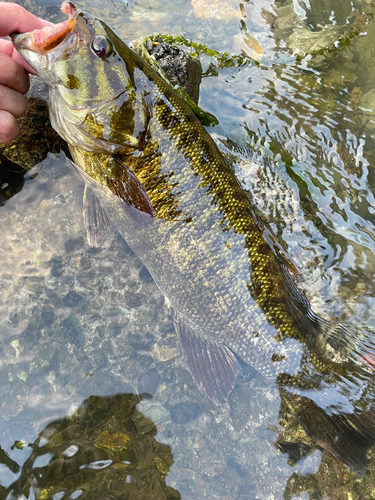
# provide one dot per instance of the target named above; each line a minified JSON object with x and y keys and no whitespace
{"x":94,"y":101}
{"x":78,"y":57}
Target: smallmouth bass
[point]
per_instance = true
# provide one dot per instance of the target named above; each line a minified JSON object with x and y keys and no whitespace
{"x":156,"y":175}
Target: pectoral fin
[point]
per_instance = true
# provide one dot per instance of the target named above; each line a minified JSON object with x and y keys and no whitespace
{"x":97,"y":223}
{"x":213,"y":365}
{"x":130,"y":189}
{"x":112,"y":173}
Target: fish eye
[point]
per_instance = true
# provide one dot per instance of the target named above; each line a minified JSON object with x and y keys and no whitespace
{"x":100,"y":46}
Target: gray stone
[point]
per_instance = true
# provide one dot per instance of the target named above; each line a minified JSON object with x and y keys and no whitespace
{"x":74,"y":244}
{"x":238,"y":468}
{"x":239,"y":402}
{"x":71,"y":299}
{"x":164,"y":354}
{"x":182,"y":413}
{"x":148,"y":382}
{"x":132,"y":300}
{"x":48,"y":315}
{"x":145,"y":276}
{"x":71,"y":328}
{"x":57,"y":267}
{"x":54,"y":299}
{"x":141,"y":342}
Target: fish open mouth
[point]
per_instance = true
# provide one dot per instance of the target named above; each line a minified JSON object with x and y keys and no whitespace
{"x":50,"y":37}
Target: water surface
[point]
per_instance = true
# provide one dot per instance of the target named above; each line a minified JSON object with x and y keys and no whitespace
{"x":80,"y":322}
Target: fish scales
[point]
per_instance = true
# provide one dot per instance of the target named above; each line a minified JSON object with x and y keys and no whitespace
{"x":216,"y":242}
{"x":206,"y":249}
{"x":158,"y":177}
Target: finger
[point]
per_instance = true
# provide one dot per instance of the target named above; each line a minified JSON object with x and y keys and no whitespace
{"x":16,"y":19}
{"x":12,"y":101}
{"x":9,"y":128}
{"x":8,"y":49}
{"x":13,"y":75}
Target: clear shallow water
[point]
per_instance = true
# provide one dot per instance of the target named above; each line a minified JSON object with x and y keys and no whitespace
{"x":78,"y":323}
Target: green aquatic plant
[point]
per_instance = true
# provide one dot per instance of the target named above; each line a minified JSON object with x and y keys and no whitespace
{"x":223,"y":59}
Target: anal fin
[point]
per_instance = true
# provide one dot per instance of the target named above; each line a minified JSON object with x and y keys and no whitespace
{"x":97,"y":223}
{"x":212,"y":364}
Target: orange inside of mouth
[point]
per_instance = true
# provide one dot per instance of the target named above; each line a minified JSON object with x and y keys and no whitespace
{"x":51,"y":36}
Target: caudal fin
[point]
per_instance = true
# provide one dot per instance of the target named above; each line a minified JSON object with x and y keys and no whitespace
{"x":347,"y":436}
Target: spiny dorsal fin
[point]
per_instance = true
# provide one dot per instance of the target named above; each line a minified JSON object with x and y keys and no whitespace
{"x":213,"y":365}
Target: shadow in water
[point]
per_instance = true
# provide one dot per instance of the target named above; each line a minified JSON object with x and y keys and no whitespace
{"x":105,"y":450}
{"x":12,"y":179}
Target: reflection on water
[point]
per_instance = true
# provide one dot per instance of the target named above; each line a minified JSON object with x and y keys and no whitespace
{"x":106,"y":449}
{"x":76,"y":321}
{"x":314,"y":114}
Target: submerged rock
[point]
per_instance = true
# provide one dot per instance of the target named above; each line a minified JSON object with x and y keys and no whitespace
{"x":37,"y":138}
{"x":180,"y":68}
{"x":132,"y":300}
{"x":182,"y":413}
{"x":48,"y":315}
{"x":141,"y":342}
{"x":72,"y":299}
{"x":148,"y":382}
{"x":174,"y":65}
{"x":303,"y":41}
{"x":72,"y":329}
{"x":103,"y":449}
{"x":239,"y":402}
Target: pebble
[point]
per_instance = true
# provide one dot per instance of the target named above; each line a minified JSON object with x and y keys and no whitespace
{"x":48,"y":315}
{"x":74,"y":244}
{"x":238,"y":468}
{"x":81,"y":262}
{"x":182,"y":413}
{"x":163,"y":354}
{"x":132,"y":300}
{"x":141,"y":342}
{"x":145,"y":276}
{"x":239,"y":402}
{"x":148,"y":382}
{"x":156,"y":413}
{"x":72,"y":330}
{"x":53,"y":297}
{"x":71,"y":299}
{"x":57,"y":267}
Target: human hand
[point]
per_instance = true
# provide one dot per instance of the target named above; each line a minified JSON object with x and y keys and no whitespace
{"x":14,"y":78}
